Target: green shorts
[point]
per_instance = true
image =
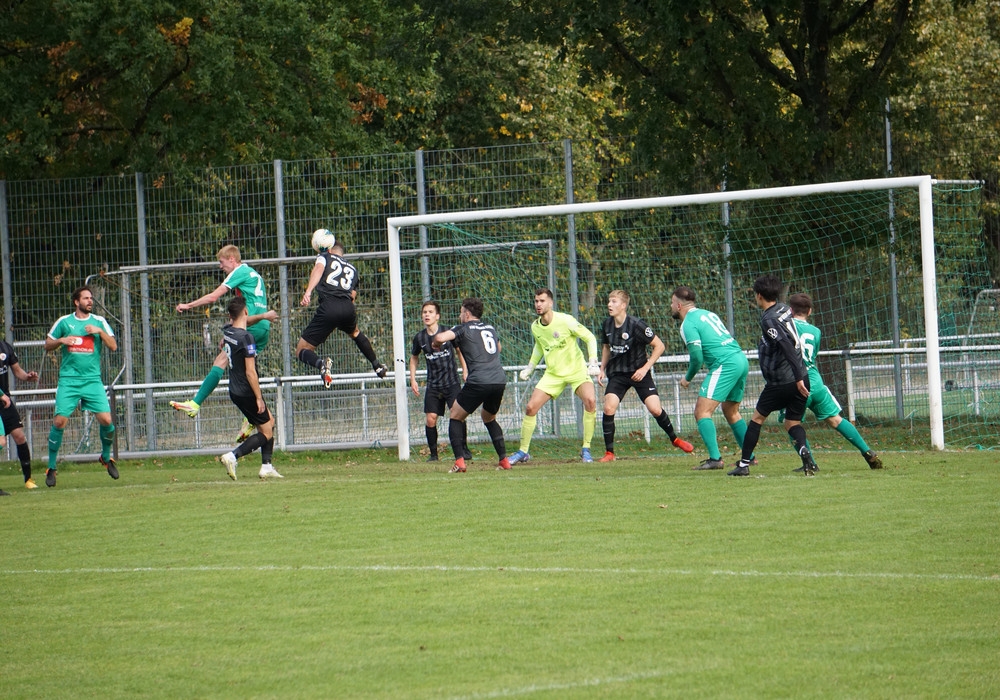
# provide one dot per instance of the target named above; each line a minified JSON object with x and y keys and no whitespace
{"x":261,"y":332}
{"x":89,"y":393}
{"x":553,"y":385}
{"x":821,"y":400}
{"x":728,"y":381}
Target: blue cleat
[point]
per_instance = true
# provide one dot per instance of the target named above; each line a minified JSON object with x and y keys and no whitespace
{"x":519,"y":457}
{"x":585,"y":455}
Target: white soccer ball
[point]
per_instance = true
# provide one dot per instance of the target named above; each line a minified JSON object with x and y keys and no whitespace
{"x":323,"y":239}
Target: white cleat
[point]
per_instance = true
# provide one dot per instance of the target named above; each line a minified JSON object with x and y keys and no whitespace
{"x":229,"y":460}
{"x":267,"y":471}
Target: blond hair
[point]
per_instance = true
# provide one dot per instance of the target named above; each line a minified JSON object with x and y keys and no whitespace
{"x":620,"y":294}
{"x":229,"y":251}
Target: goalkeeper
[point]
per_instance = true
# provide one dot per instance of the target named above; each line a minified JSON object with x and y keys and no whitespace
{"x":556,"y":336}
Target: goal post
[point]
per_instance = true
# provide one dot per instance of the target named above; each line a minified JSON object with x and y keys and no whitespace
{"x":405,"y":228}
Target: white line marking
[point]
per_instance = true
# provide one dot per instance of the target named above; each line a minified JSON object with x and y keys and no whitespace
{"x":393,"y":568}
{"x":586,"y":683}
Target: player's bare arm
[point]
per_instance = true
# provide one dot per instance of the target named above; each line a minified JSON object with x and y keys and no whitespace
{"x":209,"y":298}
{"x":314,"y":277}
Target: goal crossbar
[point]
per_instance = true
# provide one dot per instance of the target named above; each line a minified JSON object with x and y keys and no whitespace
{"x":923,"y":184}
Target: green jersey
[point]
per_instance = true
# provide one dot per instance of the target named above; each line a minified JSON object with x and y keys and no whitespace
{"x":809,"y":336}
{"x":81,"y":360}
{"x":704,"y":333}
{"x":556,"y":342}
{"x":247,"y":283}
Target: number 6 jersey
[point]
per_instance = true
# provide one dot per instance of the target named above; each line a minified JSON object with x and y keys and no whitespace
{"x":480,"y":346}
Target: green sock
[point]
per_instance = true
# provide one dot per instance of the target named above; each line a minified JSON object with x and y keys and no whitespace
{"x":706,"y":428}
{"x":107,"y":438}
{"x":589,"y":421}
{"x":739,"y":429}
{"x":208,"y":386}
{"x":527,"y":430}
{"x":55,"y":442}
{"x":847,"y":429}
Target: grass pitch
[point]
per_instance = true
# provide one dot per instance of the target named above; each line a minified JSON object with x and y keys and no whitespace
{"x":361,"y":577}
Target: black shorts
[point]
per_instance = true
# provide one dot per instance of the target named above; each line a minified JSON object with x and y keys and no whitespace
{"x":11,"y":418}
{"x":489,"y":396}
{"x":436,"y":399}
{"x":782,"y":396}
{"x":619,"y":383}
{"x":333,"y":314}
{"x":248,"y":407}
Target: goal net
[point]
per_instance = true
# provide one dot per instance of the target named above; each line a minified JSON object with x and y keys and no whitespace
{"x":894,"y":267}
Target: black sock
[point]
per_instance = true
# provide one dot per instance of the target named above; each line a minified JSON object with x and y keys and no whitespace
{"x":608,"y":423}
{"x":365,"y":346}
{"x":750,"y":440}
{"x":798,"y":435}
{"x":456,"y":434}
{"x":24,"y":457}
{"x":431,"y":432}
{"x":663,"y":420}
{"x":310,"y":358}
{"x":496,"y":436}
{"x":266,"y":451}
{"x":252,"y":443}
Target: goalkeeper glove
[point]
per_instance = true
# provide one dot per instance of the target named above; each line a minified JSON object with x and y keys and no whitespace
{"x":526,"y":372}
{"x":594,"y":368}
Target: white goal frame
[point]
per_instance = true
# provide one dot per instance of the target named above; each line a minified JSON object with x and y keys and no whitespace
{"x":923,"y":184}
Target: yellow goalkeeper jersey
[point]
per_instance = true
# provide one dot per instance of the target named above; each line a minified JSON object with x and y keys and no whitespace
{"x":556,"y":342}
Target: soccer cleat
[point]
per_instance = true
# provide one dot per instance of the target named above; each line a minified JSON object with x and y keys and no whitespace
{"x":268,"y":471}
{"x":50,"y":477}
{"x":380,"y":370}
{"x":3,"y":493}
{"x":873,"y":461}
{"x":585,"y":455}
{"x":30,"y":484}
{"x":229,"y":460}
{"x":468,"y":454}
{"x":189,"y":407}
{"x":327,"y":373}
{"x":459,"y":467}
{"x":608,"y":457}
{"x":802,"y":469}
{"x":741,"y":469}
{"x":520,"y":456}
{"x":246,"y":430}
{"x":504,"y":464}
{"x":109,"y":464}
{"x":433,"y":458}
{"x":683,"y":444}
{"x":808,"y":465}
{"x":710,"y":464}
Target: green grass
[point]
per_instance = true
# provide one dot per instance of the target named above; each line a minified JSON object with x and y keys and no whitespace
{"x":357,"y":576}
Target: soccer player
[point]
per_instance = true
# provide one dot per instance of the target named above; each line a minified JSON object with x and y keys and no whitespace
{"x":335,"y":280}
{"x":709,"y":343}
{"x":80,"y":336}
{"x":244,"y":392}
{"x":484,"y":386}
{"x":442,"y":380}
{"x":10,"y":419}
{"x":786,"y":381}
{"x":821,"y":400}
{"x":246,"y":282}
{"x":625,"y":364}
{"x":556,"y":336}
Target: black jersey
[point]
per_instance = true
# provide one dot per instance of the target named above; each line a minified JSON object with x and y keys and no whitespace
{"x":8,"y":358}
{"x":778,"y":350}
{"x":339,"y":278}
{"x":627,"y":344}
{"x":480,"y":347}
{"x":441,"y":372}
{"x":239,"y":345}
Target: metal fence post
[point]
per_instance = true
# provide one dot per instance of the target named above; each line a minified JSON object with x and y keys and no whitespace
{"x":147,"y":341}
{"x":287,"y":419}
